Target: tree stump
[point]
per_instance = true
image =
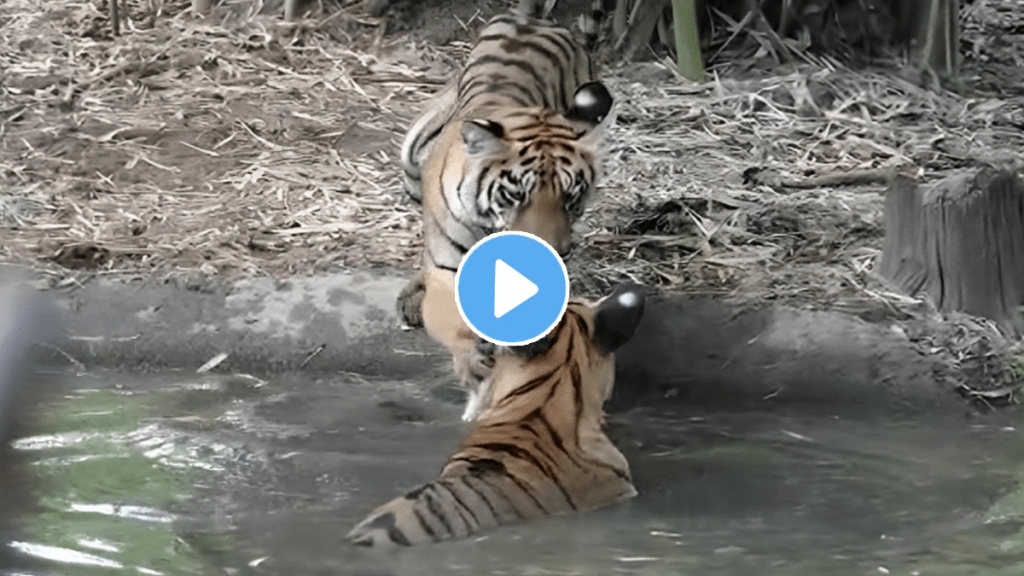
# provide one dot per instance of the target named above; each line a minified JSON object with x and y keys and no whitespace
{"x":959,"y":241}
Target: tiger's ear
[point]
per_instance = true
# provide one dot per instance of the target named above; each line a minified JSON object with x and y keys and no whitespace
{"x":617,"y":317}
{"x":482,"y":137}
{"x":591,"y":104}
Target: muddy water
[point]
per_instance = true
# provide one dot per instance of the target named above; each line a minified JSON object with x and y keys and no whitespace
{"x":186,"y":474}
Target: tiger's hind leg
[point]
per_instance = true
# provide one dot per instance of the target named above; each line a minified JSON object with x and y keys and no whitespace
{"x":410,"y":301}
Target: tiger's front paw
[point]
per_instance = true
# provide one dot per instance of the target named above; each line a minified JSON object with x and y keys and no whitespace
{"x":482,"y":358}
{"x":473,"y":370}
{"x":481,"y":361}
{"x":473,"y":407}
{"x":410,"y":301}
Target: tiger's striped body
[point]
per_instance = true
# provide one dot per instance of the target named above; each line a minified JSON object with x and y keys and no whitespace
{"x":511,"y":144}
{"x":538,"y":448}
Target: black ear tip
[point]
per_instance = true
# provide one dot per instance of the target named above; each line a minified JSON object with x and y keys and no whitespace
{"x":597,"y":91}
{"x":592,"y":102}
{"x":618,"y":316}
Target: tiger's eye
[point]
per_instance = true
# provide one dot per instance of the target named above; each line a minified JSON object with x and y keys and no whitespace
{"x":516,"y":193}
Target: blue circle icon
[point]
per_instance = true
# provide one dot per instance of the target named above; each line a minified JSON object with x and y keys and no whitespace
{"x":512,"y":288}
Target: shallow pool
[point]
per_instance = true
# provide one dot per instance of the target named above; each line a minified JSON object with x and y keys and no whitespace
{"x":209,"y":474}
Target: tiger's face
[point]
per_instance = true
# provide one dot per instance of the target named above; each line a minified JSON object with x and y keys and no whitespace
{"x":537,"y":169}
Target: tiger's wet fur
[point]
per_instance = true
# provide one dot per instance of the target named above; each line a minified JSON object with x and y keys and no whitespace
{"x":538,"y":448}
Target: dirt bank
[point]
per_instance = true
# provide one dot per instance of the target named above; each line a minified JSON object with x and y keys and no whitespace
{"x":695,"y":350}
{"x":242,"y":147}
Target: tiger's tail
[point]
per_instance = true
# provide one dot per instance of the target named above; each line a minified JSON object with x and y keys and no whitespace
{"x":483,"y":497}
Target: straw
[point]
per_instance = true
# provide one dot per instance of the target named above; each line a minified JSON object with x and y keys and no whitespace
{"x":240,"y":145}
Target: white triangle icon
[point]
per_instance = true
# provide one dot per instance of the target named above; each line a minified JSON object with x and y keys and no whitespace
{"x":511,"y":288}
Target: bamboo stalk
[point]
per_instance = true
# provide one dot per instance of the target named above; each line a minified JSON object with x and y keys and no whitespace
{"x":620,"y":20}
{"x":688,"y":56}
{"x":115,"y":18}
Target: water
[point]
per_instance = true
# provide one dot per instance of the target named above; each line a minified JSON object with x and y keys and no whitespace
{"x":204,"y":474}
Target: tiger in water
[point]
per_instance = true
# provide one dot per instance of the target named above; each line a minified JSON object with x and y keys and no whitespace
{"x":512,"y":143}
{"x":538,"y":448}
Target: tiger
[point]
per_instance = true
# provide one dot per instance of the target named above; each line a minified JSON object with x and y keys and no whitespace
{"x":539,"y":448}
{"x":511,"y":143}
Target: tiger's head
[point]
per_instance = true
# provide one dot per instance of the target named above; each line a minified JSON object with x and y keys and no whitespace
{"x":535,"y":170}
{"x":582,"y":346}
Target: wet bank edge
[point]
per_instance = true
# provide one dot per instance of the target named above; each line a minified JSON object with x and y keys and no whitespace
{"x":688,"y":348}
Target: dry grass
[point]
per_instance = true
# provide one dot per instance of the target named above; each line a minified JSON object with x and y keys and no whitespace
{"x":249,"y":147}
{"x":775,"y":187}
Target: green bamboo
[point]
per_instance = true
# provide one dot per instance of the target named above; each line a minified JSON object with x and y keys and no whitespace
{"x":688,"y":57}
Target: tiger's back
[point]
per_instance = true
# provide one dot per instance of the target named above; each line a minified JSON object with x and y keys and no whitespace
{"x":538,"y":448}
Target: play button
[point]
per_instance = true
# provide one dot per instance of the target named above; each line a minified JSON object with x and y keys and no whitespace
{"x":512,"y":288}
{"x":515,"y":289}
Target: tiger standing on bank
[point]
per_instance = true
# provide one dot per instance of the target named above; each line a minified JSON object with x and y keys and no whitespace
{"x":538,"y":448}
{"x":512,"y":143}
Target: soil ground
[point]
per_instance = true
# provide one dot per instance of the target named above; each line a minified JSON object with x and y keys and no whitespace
{"x":242,"y":146}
